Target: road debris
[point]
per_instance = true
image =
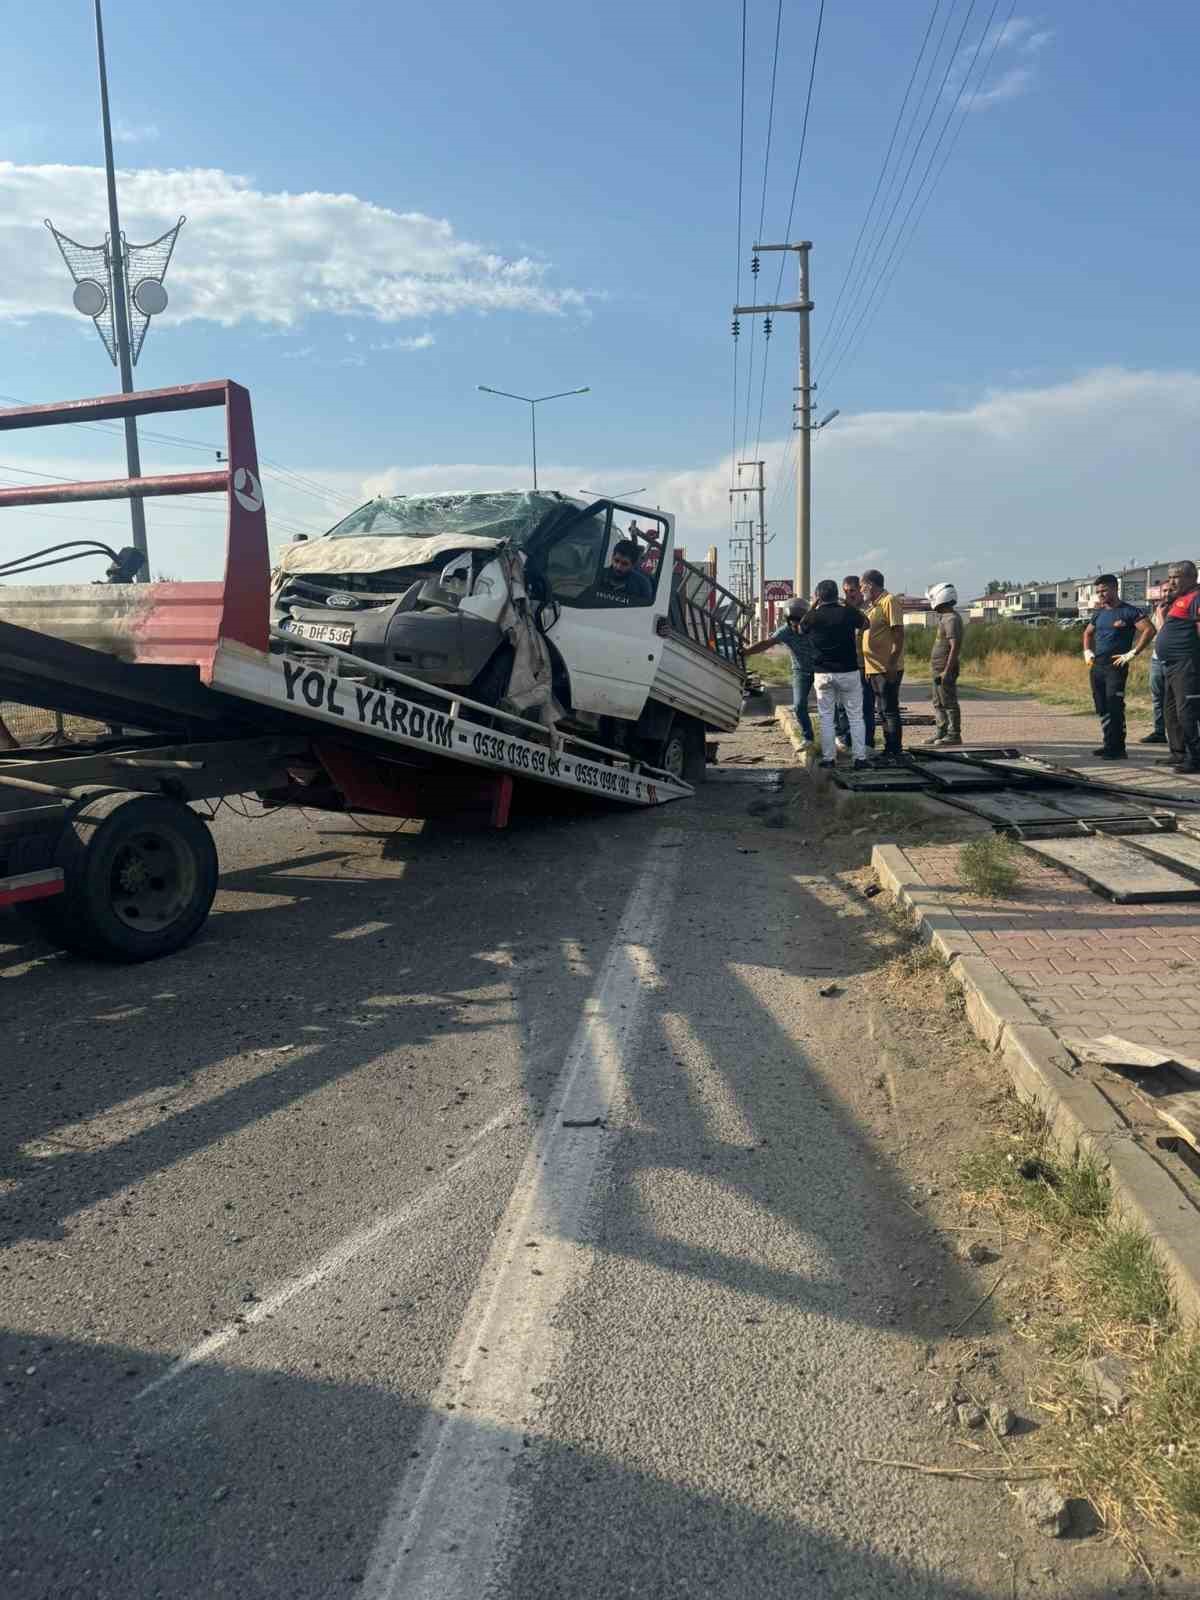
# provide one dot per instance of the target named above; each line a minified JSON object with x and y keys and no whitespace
{"x":1045,"y":1508}
{"x":828,"y":991}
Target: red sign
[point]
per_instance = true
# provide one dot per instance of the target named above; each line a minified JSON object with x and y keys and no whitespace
{"x":778,"y":589}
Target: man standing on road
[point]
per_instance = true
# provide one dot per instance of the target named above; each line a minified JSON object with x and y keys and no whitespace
{"x":852,"y":595}
{"x":1116,"y":634}
{"x":800,"y":645}
{"x":834,"y":630}
{"x":1179,"y":648}
{"x":944,"y":660}
{"x":883,"y":661}
{"x":1158,"y":670}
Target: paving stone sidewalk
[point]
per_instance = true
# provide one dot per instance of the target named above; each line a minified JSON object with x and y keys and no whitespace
{"x":1081,"y":963}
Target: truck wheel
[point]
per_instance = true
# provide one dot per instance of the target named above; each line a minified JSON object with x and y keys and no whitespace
{"x":140,"y":874}
{"x":683,"y":751}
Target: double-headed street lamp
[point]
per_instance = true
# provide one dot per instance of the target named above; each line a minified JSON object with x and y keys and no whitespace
{"x":532,"y":401}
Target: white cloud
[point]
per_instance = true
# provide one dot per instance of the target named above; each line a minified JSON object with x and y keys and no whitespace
{"x":268,"y":257}
{"x":298,"y":355}
{"x":422,"y":341}
{"x":135,"y":132}
{"x":1010,"y":47}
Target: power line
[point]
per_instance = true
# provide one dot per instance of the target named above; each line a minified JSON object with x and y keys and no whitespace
{"x":883,"y":232}
{"x":883,"y":282}
{"x":787,"y":232}
{"x":737,"y":282}
{"x":762,"y":212}
{"x":937,"y":4}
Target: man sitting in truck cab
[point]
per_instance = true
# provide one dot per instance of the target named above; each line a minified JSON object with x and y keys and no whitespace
{"x":621,"y":583}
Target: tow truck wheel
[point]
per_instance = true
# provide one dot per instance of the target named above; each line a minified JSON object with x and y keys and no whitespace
{"x":140,"y":874}
{"x":683,"y":751}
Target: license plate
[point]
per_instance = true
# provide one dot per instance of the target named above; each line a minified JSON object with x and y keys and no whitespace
{"x":323,"y":632}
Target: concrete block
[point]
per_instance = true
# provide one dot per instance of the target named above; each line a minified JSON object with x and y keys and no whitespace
{"x":992,"y":1003}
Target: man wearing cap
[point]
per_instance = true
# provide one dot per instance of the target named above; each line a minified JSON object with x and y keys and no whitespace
{"x":788,"y":634}
{"x":1117,"y":633}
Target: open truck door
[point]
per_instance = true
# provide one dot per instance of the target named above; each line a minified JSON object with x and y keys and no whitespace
{"x":605,"y":624}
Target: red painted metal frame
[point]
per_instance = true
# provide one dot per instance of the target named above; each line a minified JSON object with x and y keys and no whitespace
{"x":180,"y":624}
{"x":366,"y":784}
{"x":57,"y":494}
{"x":28,"y":886}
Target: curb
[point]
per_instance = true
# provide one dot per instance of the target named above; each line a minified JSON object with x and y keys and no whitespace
{"x":786,"y":718}
{"x":1043,"y":1072}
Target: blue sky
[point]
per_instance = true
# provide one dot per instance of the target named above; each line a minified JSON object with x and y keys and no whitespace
{"x":389,"y":206}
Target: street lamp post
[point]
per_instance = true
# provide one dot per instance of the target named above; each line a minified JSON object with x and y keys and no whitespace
{"x":532,"y":401}
{"x":120,"y":287}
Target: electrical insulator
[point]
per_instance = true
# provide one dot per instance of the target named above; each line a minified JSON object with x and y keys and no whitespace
{"x":766,"y":327}
{"x":737,"y":327}
{"x":754,"y":265}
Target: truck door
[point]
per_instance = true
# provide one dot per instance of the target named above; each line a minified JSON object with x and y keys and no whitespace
{"x":606,"y":630}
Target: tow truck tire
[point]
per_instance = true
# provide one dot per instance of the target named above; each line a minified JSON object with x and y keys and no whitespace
{"x":682,"y":753}
{"x":140,"y":873}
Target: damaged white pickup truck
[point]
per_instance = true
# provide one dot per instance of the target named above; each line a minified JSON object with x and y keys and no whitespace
{"x":575,"y":613}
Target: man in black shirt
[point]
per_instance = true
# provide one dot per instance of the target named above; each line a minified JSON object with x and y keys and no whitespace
{"x":834,"y":630}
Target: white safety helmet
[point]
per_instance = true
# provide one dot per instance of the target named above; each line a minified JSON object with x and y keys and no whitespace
{"x":942,"y":594}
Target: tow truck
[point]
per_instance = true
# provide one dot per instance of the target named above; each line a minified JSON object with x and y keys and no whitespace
{"x":196,"y":695}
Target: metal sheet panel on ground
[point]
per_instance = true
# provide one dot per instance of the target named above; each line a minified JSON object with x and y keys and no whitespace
{"x":1113,"y":869}
{"x":1177,"y":851}
{"x":1018,"y":810}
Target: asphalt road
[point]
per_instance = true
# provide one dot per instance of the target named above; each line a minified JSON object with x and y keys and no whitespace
{"x":309,"y":1284}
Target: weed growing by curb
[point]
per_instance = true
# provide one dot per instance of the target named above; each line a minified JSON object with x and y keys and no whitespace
{"x":989,"y":866}
{"x":1136,"y":1458}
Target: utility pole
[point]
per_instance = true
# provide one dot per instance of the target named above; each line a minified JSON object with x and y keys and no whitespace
{"x":804,"y":388}
{"x":743,"y":546}
{"x":759,"y":489}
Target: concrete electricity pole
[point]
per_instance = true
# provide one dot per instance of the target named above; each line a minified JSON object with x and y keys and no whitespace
{"x":803,"y":306}
{"x":759,"y":489}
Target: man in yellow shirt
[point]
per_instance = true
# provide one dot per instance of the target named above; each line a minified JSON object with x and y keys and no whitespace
{"x":883,"y":660}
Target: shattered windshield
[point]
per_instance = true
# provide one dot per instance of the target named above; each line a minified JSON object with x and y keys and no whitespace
{"x":512,"y":514}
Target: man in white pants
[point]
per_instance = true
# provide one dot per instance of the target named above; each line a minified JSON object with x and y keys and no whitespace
{"x":834,"y":630}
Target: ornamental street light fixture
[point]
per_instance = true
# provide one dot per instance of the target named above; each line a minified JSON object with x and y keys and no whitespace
{"x":120,"y":287}
{"x":532,"y":402}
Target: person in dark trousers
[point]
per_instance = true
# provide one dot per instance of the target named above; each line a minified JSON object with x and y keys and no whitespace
{"x":883,"y":661}
{"x":1179,"y":648}
{"x":1116,"y":634}
{"x":800,"y":645}
{"x":852,"y":595}
{"x":834,"y":630}
{"x":944,"y":661}
{"x":1158,"y":671}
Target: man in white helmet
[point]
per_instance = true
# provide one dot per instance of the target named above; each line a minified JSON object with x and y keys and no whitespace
{"x":944,"y":660}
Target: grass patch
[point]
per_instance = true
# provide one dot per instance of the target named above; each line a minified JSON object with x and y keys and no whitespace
{"x":1044,"y":662}
{"x":989,"y":866}
{"x":1106,"y":1294}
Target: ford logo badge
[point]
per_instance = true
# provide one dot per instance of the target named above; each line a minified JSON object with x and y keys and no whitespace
{"x":342,"y":602}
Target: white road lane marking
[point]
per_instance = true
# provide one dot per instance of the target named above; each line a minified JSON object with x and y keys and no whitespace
{"x":333,"y":1261}
{"x":444,"y":1536}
